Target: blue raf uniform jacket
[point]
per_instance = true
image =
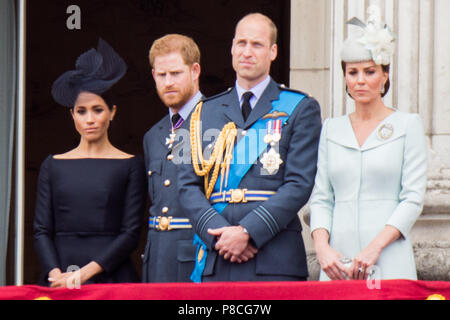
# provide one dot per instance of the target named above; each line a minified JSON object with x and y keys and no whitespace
{"x":169,"y":255}
{"x":273,"y":225}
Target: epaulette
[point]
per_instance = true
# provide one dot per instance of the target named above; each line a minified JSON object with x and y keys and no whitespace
{"x":217,"y":95}
{"x":283,"y":87}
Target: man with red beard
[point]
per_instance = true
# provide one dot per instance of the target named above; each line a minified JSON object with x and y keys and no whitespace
{"x":169,"y":253}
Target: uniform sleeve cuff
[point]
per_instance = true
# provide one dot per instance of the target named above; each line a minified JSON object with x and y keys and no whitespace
{"x":261,"y":226}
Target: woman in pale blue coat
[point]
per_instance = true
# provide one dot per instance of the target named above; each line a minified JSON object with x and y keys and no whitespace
{"x":372,"y":171}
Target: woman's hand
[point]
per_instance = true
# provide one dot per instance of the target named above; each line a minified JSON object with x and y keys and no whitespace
{"x":363,"y":261}
{"x":329,"y":259}
{"x":369,"y":255}
{"x":54,"y":277}
{"x":65,"y":280}
{"x":58,"y":279}
{"x":54,"y":274}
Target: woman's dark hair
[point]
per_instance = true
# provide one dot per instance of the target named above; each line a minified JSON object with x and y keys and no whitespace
{"x":109,"y":97}
{"x":385,"y":68}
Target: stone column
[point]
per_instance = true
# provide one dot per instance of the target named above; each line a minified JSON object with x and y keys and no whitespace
{"x":310,"y":62}
{"x":432,"y":231}
{"x":310,"y":72}
{"x":420,"y":78}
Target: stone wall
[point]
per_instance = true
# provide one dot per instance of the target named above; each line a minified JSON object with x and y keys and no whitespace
{"x":420,"y":77}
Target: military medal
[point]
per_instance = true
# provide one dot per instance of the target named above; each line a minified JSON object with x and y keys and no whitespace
{"x":276,"y":137}
{"x":273,"y":129}
{"x":385,"y":131}
{"x":171,"y":140}
{"x":268,"y":139}
{"x":271,"y":160}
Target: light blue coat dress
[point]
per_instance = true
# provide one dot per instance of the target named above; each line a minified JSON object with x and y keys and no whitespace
{"x":360,"y":190}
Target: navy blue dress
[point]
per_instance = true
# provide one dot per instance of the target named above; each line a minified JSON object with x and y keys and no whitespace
{"x":90,"y":210}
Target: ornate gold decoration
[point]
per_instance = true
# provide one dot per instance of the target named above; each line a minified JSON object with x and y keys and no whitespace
{"x":436,"y":297}
{"x":221,"y":156}
{"x":238,"y":196}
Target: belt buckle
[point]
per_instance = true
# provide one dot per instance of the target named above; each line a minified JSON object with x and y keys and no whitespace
{"x":238,"y":196}
{"x":164,"y":223}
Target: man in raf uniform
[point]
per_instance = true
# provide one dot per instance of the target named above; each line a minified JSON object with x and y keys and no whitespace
{"x":245,"y":187}
{"x":169,"y":255}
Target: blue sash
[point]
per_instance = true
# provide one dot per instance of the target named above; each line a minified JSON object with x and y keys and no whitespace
{"x":245,"y":154}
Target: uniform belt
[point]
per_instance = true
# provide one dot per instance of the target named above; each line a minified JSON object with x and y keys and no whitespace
{"x":240,"y":196}
{"x":168,"y":223}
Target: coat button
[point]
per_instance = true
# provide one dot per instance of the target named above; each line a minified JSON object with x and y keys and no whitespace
{"x":167,"y":183}
{"x":165,"y":210}
{"x":170,"y":157}
{"x":150,"y":173}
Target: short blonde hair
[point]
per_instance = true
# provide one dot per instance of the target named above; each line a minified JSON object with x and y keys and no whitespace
{"x":270,"y":23}
{"x":185,"y":45}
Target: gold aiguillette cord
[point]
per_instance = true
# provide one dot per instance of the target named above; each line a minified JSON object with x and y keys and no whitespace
{"x":224,"y":143}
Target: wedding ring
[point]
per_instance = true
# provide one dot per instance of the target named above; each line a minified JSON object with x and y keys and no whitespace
{"x":360,"y":270}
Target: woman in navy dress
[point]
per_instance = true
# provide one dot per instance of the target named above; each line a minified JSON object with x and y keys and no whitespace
{"x":90,"y":200}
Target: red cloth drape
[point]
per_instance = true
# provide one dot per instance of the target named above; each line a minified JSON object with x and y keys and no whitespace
{"x":310,"y":290}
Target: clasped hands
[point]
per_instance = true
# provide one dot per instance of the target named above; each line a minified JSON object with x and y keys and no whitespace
{"x":331,"y":263}
{"x":233,"y":244}
{"x":59,"y":279}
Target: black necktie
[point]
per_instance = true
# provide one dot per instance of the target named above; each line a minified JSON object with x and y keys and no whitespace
{"x":175,"y":119}
{"x":246,"y":108}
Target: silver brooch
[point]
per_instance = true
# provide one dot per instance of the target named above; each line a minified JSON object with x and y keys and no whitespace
{"x":385,"y":131}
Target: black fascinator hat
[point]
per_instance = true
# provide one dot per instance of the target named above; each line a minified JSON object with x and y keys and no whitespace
{"x":96,"y":71}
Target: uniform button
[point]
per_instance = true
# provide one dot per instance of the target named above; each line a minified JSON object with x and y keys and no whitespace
{"x":150,"y":173}
{"x":167,"y":183}
{"x":170,"y":157}
{"x":165,"y":210}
